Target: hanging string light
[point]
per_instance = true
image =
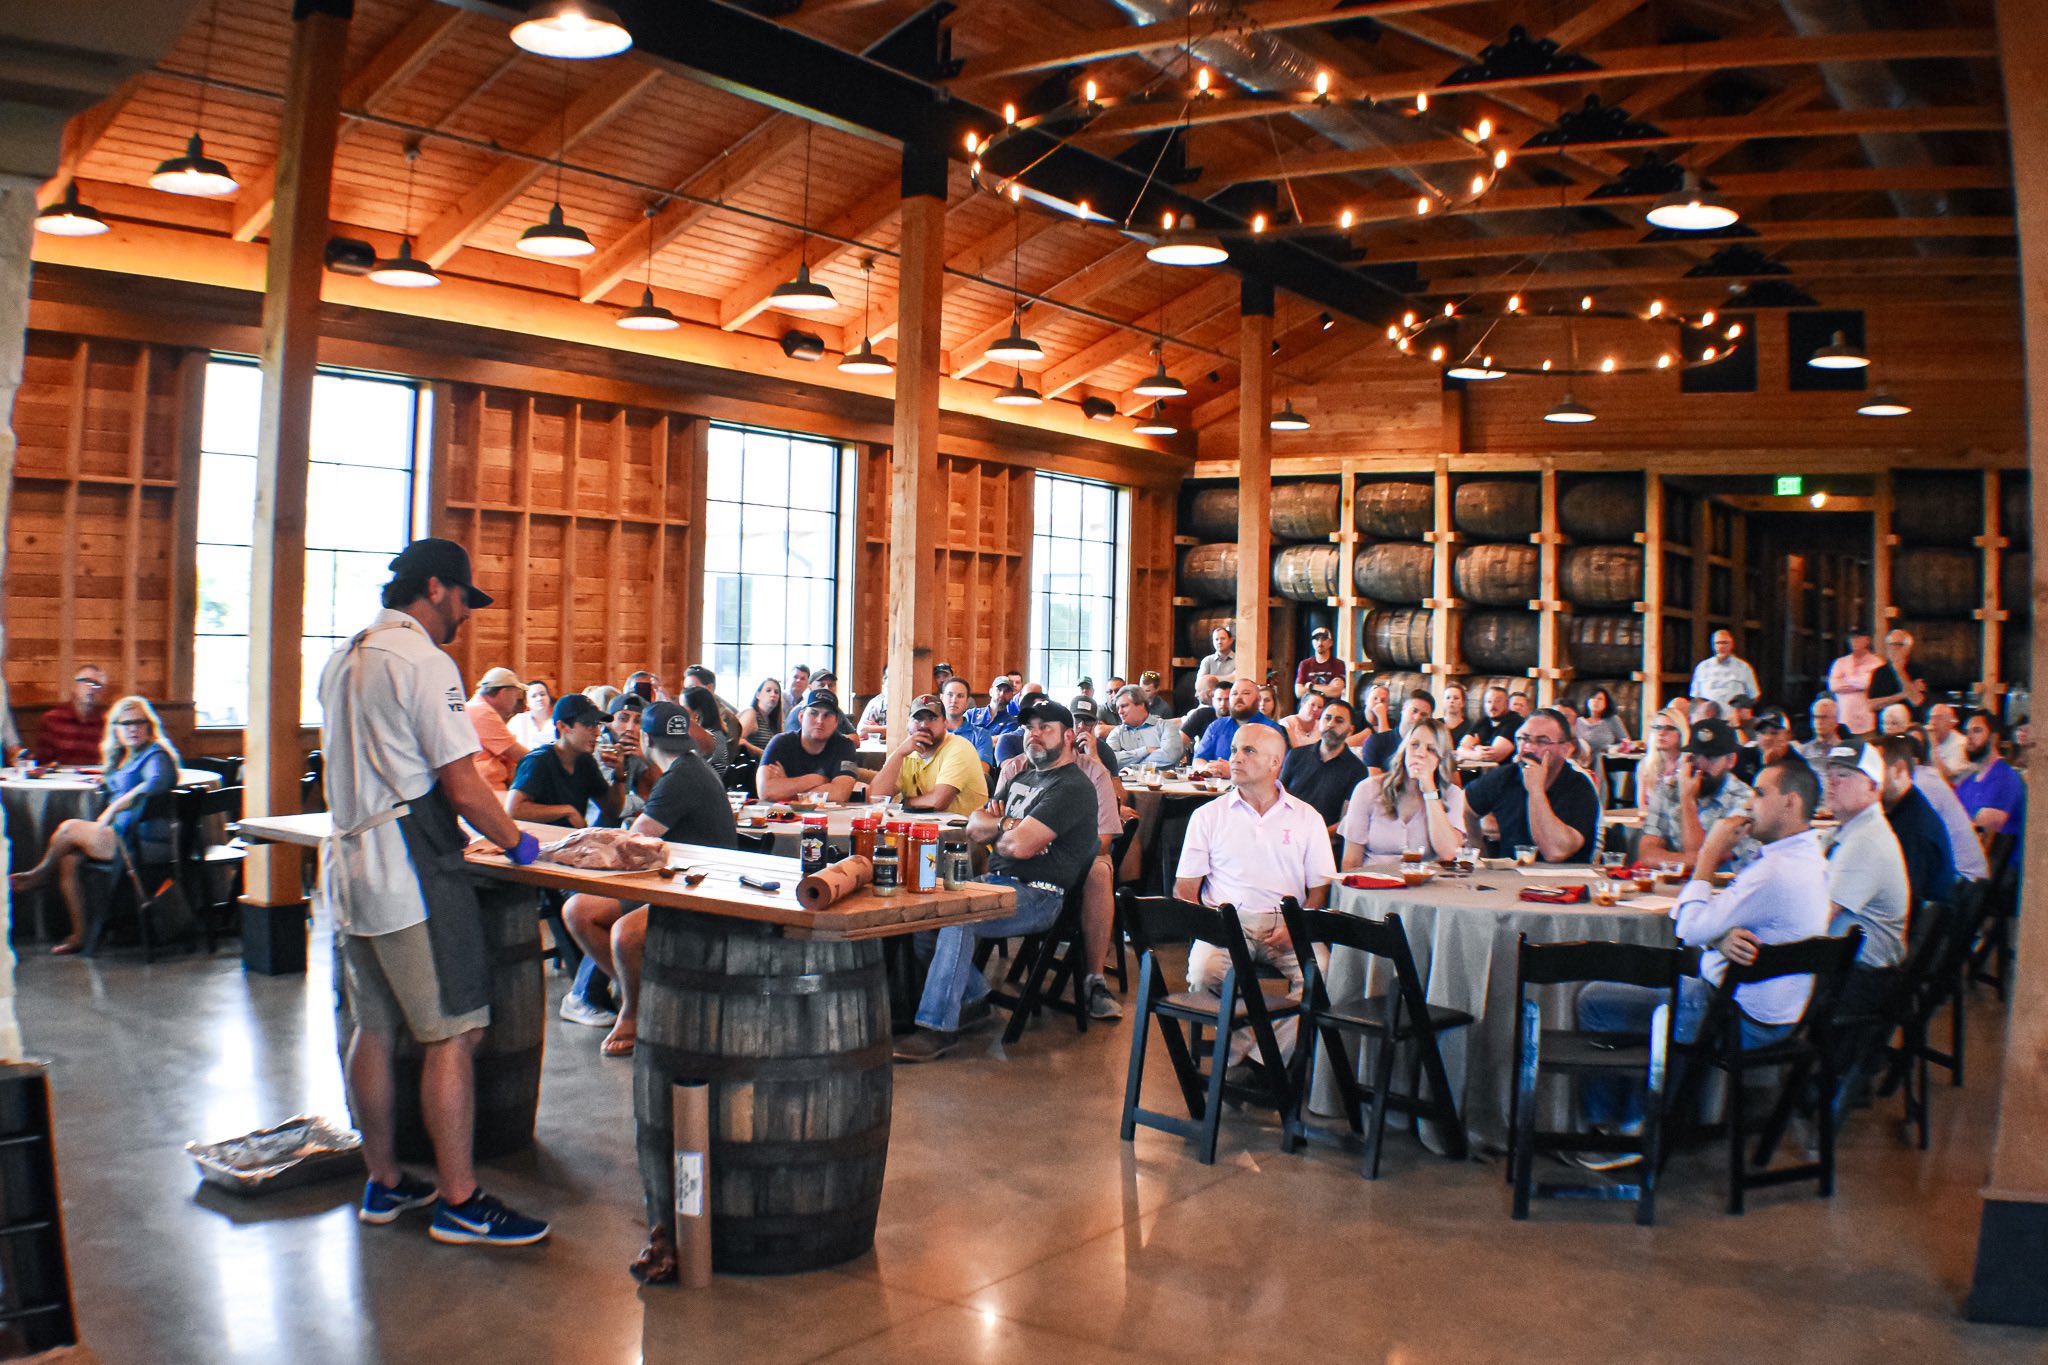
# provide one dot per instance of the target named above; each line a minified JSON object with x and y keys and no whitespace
{"x":647,"y":315}
{"x":406,"y":271}
{"x":866,"y":360}
{"x":195,"y":173}
{"x":803,"y":294}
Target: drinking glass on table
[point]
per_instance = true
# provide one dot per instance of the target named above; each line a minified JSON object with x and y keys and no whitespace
{"x":1525,"y":855}
{"x":1604,"y":891}
{"x":1612,"y":863}
{"x":1416,"y":851}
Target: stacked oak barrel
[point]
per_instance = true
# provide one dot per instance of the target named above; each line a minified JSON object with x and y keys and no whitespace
{"x":1495,"y":576}
{"x":2016,"y":581}
{"x":1600,"y":577}
{"x":1938,"y":575}
{"x":1304,"y":517}
{"x":1393,"y":569}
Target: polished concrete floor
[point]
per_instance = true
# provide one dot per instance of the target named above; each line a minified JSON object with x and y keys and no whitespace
{"x":1015,"y":1226}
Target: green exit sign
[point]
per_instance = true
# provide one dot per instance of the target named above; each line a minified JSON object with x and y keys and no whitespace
{"x":1791,"y":485}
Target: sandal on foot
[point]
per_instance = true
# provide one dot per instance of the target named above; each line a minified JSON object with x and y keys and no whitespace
{"x":616,"y":1047}
{"x":657,"y":1260}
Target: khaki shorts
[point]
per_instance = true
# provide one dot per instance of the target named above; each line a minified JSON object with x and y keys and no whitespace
{"x":392,"y":982}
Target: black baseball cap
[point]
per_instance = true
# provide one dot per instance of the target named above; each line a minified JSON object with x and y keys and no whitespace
{"x":433,"y":557}
{"x":1711,"y":739}
{"x":665,"y":720}
{"x":1085,"y":682}
{"x":1042,"y":707}
{"x":626,"y":701}
{"x":1319,"y":633}
{"x":577,"y":709}
{"x":821,"y":696}
{"x":942,"y":670}
{"x":1770,"y":719}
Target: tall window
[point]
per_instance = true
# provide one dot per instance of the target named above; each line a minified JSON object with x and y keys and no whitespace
{"x":359,"y":498}
{"x":1077,"y":560}
{"x":771,"y":555}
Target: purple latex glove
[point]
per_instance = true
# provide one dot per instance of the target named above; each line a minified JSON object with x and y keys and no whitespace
{"x":525,"y":851}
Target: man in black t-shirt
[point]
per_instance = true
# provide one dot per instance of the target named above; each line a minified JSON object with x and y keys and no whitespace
{"x":1540,"y":798}
{"x":1197,"y":721}
{"x":817,"y":757}
{"x":1896,"y":681}
{"x":1041,"y":832}
{"x":687,"y":806}
{"x":558,"y":783}
{"x":1492,"y":736}
{"x":1325,"y":773}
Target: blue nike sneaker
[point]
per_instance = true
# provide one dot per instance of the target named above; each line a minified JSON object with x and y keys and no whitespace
{"x":383,"y":1203}
{"x":482,"y":1220}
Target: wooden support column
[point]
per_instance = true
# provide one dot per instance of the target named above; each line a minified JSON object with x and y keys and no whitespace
{"x":1549,"y":654}
{"x":1883,"y":543}
{"x":917,"y":495}
{"x":1255,"y":477}
{"x":2011,"y":1280}
{"x":1652,"y":540}
{"x":291,"y":338}
{"x":1996,"y":609}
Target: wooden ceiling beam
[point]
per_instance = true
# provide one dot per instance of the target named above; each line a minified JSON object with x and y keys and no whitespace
{"x":1493,"y":283}
{"x":604,"y":101}
{"x":1200,"y":303}
{"x":386,"y":69}
{"x":876,"y":210}
{"x":760,"y":148}
{"x":1344,"y":341}
{"x":1078,"y":289}
{"x":1629,"y":239}
{"x":83,"y":133}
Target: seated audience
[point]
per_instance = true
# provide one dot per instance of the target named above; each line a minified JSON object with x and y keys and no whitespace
{"x":561,"y":783}
{"x":1375,"y":712}
{"x":1773,"y":731}
{"x":1413,"y":804}
{"x":1895,"y":719}
{"x":1990,"y":789}
{"x":139,"y":763}
{"x":1867,"y":882}
{"x":1539,"y":799}
{"x":1269,"y":702}
{"x":1522,"y":704}
{"x":1302,"y":727}
{"x":1041,"y":830}
{"x":535,"y":725}
{"x":1141,"y":740}
{"x":874,"y":717}
{"x":997,"y":718}
{"x":1492,"y":736}
{"x":1451,"y":711}
{"x":1923,"y":839}
{"x":931,"y":769}
{"x":498,"y":697}
{"x":816,"y":758}
{"x":1670,"y":731}
{"x":1598,"y":728}
{"x":1158,"y":705}
{"x":71,"y":734}
{"x":1701,"y":792}
{"x":762,"y":721}
{"x":1196,"y":723}
{"x":1945,"y":748}
{"x":698,"y":675}
{"x":1378,"y":754}
{"x":1325,"y":772}
{"x":1213,"y":753}
{"x":687,"y":806}
{"x":1781,"y":897}
{"x":1827,"y":733}
{"x":1965,"y":846}
{"x":1251,"y":849}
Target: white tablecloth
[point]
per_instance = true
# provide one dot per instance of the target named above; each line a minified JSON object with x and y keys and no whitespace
{"x":35,"y":806}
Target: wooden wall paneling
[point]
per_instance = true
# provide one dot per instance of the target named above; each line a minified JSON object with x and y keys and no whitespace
{"x":870,"y":566}
{"x":1994,"y":612}
{"x":1702,"y":576}
{"x":659,"y":635}
{"x":1022,"y":487}
{"x":1349,"y":646}
{"x":131,"y":550}
{"x":1150,"y":628}
{"x":615,"y":559}
{"x":522,"y":524}
{"x":74,"y":446}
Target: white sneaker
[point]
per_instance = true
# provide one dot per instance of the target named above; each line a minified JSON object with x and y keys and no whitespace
{"x":577,"y":1010}
{"x":1101,"y":1004}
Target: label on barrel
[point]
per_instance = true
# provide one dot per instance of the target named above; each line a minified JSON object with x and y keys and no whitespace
{"x":689,"y":1184}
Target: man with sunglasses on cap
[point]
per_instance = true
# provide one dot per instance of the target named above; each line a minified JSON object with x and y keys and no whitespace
{"x":1695,"y":796}
{"x":816,"y":758}
{"x":498,"y":697}
{"x":399,"y":769}
{"x":71,"y":734}
{"x":1322,"y":671}
{"x":931,"y":769}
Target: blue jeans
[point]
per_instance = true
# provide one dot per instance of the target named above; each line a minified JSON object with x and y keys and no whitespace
{"x":1612,"y":1007}
{"x":592,"y":986}
{"x":952,"y":981}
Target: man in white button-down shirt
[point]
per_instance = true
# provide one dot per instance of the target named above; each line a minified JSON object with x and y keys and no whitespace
{"x":1251,"y":849}
{"x":1721,"y":676}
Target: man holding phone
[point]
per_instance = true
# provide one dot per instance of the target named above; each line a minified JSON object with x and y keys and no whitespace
{"x":1540,"y":798}
{"x":1695,"y":796}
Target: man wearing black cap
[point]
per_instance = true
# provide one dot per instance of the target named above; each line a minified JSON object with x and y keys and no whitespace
{"x":1041,"y":833}
{"x":931,"y":769}
{"x":1540,"y":799}
{"x":398,"y":747}
{"x":1321,"y":671}
{"x":687,"y":806}
{"x":1773,"y":731}
{"x":816,"y":758}
{"x":559,"y":783}
{"x":1693,"y":797}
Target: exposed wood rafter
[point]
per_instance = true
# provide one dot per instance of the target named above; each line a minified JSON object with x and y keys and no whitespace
{"x":875,"y":210}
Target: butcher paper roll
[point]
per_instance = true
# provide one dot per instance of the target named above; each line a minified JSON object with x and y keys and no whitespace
{"x":834,"y":883}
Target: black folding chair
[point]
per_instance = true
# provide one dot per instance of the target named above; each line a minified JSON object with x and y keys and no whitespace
{"x":1241,"y":1002}
{"x":1577,"y":1055}
{"x":1938,"y":956}
{"x":1991,"y":957}
{"x":1045,"y":966}
{"x":228,"y":770}
{"x":130,"y":870}
{"x":1804,"y":1054}
{"x":206,"y":861}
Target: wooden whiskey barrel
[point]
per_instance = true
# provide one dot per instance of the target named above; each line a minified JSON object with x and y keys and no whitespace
{"x":1497,"y":509}
{"x":1209,"y":572}
{"x":793,"y":1037}
{"x":1605,"y":644}
{"x":1936,"y":582}
{"x":1496,"y":575}
{"x":1946,"y":653}
{"x":1602,"y":510}
{"x":1477,"y":683}
{"x":1306,"y":573}
{"x":1396,"y":509}
{"x":1212,"y":513}
{"x":1602,"y":575}
{"x":1202,"y":625}
{"x":2016,"y":656}
{"x":1306,"y":511}
{"x":1942,"y":509}
{"x":2015,"y":510}
{"x":1503,"y":641}
{"x":1399,"y":638}
{"x":1398,"y":682}
{"x":507,"y":1061}
{"x":2016,"y":582}
{"x":1395,"y":571}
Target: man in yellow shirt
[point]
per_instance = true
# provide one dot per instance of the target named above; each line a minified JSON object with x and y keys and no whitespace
{"x":931,"y":769}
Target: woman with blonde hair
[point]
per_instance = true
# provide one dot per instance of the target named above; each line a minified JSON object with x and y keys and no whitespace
{"x":1304,"y":726}
{"x":1414,"y":804}
{"x":1269,"y":701}
{"x":140,"y":763}
{"x":1669,"y":731}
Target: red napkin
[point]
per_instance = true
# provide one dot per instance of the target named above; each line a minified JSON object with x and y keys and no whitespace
{"x":1558,"y":895}
{"x":1374,"y":881}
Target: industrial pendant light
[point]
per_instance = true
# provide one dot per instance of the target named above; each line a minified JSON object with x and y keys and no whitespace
{"x":1179,"y":245}
{"x":1160,"y":384}
{"x":1016,"y":348}
{"x":406,"y":271}
{"x":195,"y":173}
{"x":1287,"y":419}
{"x":555,"y":238}
{"x":1156,"y":423}
{"x":1570,"y":411}
{"x":572,"y":29}
{"x":1018,"y":394}
{"x":647,"y":315}
{"x":1691,"y":209}
{"x":866,"y":360}
{"x":1838,"y":354}
{"x":69,"y":218}
{"x":1882,"y":404}
{"x":803,"y":294}
{"x":1475,"y":367}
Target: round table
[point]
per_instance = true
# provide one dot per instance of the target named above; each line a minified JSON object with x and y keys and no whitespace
{"x":1464,"y":933}
{"x":35,"y":806}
